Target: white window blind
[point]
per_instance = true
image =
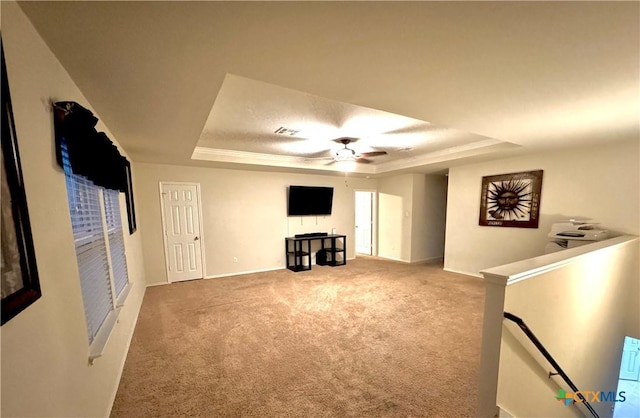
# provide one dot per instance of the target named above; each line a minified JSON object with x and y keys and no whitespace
{"x":116,"y":240}
{"x":97,"y":233}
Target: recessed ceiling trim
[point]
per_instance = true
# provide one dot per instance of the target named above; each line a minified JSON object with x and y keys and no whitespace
{"x":226,"y":153}
{"x":252,"y":158}
{"x":449,"y":154}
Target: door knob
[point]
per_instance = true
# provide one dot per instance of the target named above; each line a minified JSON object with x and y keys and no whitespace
{"x":196,"y":238}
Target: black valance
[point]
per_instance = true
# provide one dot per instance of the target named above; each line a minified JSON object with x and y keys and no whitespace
{"x":91,"y":153}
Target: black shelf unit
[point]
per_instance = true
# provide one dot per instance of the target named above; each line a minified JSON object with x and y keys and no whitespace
{"x":335,"y":249}
{"x":296,"y":255}
{"x":299,"y":255}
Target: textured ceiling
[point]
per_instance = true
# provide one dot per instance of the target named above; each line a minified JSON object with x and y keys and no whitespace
{"x":243,"y":122}
{"x":217,"y":78}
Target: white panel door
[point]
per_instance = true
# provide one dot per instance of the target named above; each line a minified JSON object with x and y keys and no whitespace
{"x":630,"y":364}
{"x":364,"y":222}
{"x":181,"y":224}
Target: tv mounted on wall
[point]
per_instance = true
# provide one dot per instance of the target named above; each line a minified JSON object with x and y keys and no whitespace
{"x":309,"y":200}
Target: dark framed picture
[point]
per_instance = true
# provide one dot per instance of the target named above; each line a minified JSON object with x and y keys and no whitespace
{"x":511,"y":200}
{"x":19,"y":284}
{"x":131,"y":209}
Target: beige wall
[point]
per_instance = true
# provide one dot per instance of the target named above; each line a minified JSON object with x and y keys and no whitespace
{"x":45,"y":351}
{"x":590,"y":305}
{"x":428,"y":220}
{"x":411,"y":217}
{"x":395,"y":206}
{"x":600,"y":182}
{"x":244,"y":216}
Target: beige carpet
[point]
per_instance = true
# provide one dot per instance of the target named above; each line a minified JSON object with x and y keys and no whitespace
{"x":373,"y":338}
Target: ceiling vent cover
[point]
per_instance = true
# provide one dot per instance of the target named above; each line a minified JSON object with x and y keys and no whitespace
{"x":286,"y":131}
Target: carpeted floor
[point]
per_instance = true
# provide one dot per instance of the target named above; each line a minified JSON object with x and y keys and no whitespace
{"x":373,"y":338}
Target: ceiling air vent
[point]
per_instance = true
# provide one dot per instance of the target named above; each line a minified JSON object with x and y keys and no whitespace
{"x":286,"y":131}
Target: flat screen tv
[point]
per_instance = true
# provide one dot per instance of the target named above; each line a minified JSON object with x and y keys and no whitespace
{"x":309,"y":200}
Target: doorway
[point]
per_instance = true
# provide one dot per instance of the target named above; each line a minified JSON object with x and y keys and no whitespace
{"x":365,"y":221}
{"x":629,"y":380}
{"x":182,"y":230}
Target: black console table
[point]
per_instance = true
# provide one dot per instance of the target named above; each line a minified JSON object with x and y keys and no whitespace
{"x":298,"y":251}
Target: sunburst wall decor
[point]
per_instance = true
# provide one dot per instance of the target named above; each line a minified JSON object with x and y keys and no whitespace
{"x":511,"y":200}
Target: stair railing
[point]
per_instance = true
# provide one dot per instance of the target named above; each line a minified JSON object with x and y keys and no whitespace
{"x":523,"y":326}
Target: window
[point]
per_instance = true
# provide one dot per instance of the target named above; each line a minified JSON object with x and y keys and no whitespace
{"x":116,"y":243}
{"x":99,"y":242}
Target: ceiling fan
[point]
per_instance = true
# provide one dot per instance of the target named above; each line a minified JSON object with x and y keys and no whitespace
{"x":348,"y":154}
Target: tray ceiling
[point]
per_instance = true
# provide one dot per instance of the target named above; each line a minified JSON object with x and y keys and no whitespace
{"x":453,"y":81}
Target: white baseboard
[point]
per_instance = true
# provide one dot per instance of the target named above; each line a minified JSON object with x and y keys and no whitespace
{"x":216,"y":276}
{"x":504,"y":414}
{"x":431,"y":260}
{"x":239,"y":273}
{"x":157,"y":284}
{"x":394,"y":259}
{"x":244,"y":272}
{"x":130,"y":333}
{"x":423,"y":261}
{"x":463,"y":272}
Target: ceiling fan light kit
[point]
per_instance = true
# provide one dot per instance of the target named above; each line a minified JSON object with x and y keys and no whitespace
{"x":345,"y":154}
{"x":348,"y":154}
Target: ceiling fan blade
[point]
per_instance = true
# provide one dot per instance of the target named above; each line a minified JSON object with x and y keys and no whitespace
{"x":373,"y":154}
{"x":363,"y":160}
{"x":319,"y":159}
{"x":319,"y":154}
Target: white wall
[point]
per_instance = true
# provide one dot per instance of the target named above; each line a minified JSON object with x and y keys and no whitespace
{"x":244,"y":216}
{"x":599,"y":182}
{"x":45,"y":350}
